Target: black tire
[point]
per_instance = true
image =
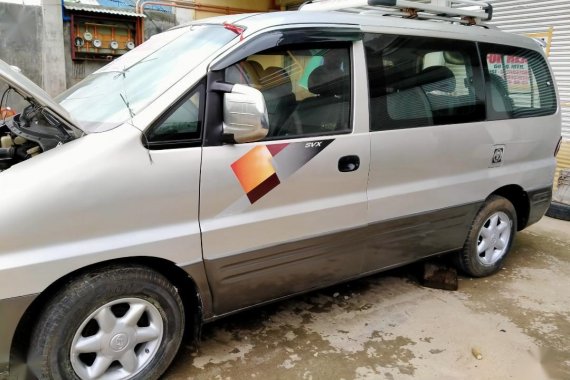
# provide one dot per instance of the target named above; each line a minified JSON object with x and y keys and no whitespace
{"x":559,"y":211}
{"x":65,"y":315}
{"x":468,"y":259}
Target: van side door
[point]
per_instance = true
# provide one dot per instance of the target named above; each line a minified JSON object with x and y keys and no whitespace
{"x":281,"y":216}
{"x":430,"y":150}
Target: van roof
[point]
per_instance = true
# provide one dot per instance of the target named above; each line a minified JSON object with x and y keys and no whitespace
{"x":256,"y":22}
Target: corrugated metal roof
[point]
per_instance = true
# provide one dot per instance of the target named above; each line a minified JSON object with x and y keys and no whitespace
{"x":99,"y":9}
{"x":126,"y":4}
{"x":536,"y":16}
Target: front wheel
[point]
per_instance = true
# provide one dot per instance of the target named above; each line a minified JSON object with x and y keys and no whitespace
{"x":113,"y":324}
{"x":490,"y":238}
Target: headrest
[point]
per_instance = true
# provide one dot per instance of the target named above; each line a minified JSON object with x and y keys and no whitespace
{"x":327,"y":81}
{"x":250,"y":71}
{"x":439,"y":78}
{"x":454,"y":57}
{"x":234,"y":75}
{"x":243,"y":73}
{"x":256,"y":66}
{"x":276,"y":77}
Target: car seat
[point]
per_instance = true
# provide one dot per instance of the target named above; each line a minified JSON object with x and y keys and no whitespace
{"x":277,"y":90}
{"x":328,"y":110}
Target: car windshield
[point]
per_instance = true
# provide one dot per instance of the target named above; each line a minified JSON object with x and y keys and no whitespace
{"x":121,"y":89}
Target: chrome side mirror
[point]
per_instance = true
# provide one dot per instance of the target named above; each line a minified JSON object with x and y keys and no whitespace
{"x":245,"y":115}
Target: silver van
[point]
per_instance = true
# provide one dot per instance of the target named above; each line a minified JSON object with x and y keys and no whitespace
{"x":244,"y":159}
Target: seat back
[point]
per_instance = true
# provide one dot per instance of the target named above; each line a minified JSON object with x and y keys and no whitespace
{"x":399,"y":102}
{"x":328,"y":110}
{"x":499,"y":95}
{"x":439,"y":83}
{"x":277,"y":90}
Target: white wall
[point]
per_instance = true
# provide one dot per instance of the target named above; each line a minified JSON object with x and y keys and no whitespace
{"x":23,"y":2}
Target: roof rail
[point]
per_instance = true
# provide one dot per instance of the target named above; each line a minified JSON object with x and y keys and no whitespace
{"x":468,"y":12}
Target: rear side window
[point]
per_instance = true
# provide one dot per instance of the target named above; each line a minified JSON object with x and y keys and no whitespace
{"x":518,"y":83}
{"x":307,"y":89}
{"x":418,"y":82}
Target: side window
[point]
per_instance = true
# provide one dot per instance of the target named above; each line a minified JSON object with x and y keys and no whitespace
{"x":419,"y":82}
{"x":306,"y":89}
{"x":519,"y":83}
{"x":182,"y":123}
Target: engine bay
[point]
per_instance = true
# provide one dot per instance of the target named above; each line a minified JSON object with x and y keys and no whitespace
{"x":25,"y":135}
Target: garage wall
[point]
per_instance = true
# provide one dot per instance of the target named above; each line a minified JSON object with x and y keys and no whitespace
{"x":31,"y":38}
{"x":20,"y":43}
{"x":20,"y":38}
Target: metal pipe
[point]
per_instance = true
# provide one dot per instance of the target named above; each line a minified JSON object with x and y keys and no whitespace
{"x":140,"y":4}
{"x":140,"y":23}
{"x":202,"y":7}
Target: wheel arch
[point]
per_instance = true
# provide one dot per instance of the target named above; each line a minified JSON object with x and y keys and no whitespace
{"x":184,"y":283}
{"x":519,"y":198}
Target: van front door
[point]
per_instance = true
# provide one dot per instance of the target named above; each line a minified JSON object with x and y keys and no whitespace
{"x":280,"y":216}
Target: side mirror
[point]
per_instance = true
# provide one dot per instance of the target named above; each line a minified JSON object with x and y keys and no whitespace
{"x":245,"y":115}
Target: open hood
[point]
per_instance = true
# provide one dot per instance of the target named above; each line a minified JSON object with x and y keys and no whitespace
{"x":34,"y":94}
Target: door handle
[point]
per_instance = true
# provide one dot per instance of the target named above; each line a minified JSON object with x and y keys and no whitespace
{"x":348,"y":164}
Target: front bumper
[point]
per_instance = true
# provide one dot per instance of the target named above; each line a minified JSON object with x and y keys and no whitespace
{"x":11,"y":312}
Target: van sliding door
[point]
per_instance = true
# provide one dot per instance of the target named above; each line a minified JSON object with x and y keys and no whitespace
{"x":429,"y":148}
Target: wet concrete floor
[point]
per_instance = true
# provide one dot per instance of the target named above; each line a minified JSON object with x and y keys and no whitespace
{"x":389,"y":327}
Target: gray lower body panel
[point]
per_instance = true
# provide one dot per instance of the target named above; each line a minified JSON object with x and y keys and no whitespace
{"x":404,"y":240}
{"x":251,"y":278}
{"x":11,"y":312}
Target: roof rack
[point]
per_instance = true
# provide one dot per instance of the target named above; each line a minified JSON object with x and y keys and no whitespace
{"x":469,"y":12}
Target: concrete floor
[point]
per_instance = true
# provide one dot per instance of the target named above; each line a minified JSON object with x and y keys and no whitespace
{"x":389,"y":327}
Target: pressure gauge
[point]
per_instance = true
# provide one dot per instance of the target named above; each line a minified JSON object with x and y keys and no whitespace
{"x":79,"y":42}
{"x":97,"y":43}
{"x":114,"y":45}
{"x":130,"y":45}
{"x":87,"y":36}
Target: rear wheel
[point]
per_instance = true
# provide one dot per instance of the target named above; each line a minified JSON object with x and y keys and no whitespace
{"x":113,"y":324}
{"x":490,"y":238}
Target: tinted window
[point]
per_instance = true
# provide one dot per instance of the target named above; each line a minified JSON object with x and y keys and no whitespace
{"x":307,"y":90}
{"x":416,"y":82}
{"x":182,"y":123}
{"x":519,"y":83}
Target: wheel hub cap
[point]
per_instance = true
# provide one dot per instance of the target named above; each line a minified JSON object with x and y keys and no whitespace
{"x":494,"y":238}
{"x":117,"y":341}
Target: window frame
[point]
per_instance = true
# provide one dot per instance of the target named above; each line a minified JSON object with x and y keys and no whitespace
{"x":199,"y":88}
{"x":486,"y":48}
{"x":349,"y":46}
{"x":479,"y":85}
{"x":213,"y":125}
